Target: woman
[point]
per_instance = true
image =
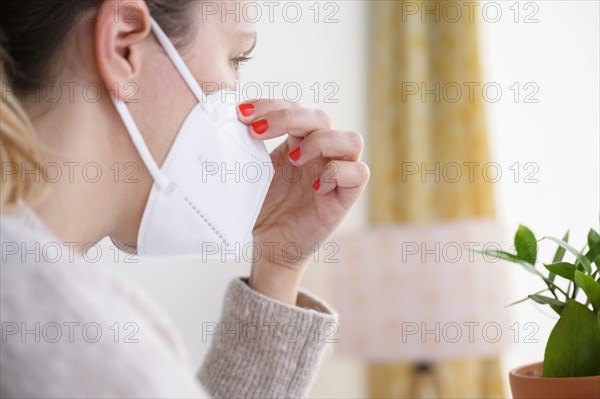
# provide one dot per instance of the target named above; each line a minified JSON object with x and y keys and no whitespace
{"x":71,"y":330}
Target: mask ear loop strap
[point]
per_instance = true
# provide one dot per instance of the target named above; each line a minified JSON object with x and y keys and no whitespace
{"x":178,"y":62}
{"x":159,"y":178}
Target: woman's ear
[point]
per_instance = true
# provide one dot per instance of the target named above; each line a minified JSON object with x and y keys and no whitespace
{"x":121,"y":27}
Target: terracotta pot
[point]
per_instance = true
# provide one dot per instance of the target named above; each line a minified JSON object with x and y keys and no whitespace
{"x":527,"y":383}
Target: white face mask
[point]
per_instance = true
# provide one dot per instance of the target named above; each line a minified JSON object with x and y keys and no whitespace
{"x":208,"y":193}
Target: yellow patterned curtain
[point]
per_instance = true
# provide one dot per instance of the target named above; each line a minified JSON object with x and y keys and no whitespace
{"x":419,"y":121}
{"x":428,"y":125}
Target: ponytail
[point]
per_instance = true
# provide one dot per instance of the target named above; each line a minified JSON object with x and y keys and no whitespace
{"x":19,"y":147}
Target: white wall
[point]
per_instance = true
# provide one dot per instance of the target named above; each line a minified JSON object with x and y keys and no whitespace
{"x":560,"y":134}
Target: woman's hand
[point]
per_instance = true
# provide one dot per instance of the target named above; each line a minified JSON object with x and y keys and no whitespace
{"x":318,"y":177}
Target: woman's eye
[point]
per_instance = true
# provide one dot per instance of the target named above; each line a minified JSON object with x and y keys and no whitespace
{"x":238,"y":62}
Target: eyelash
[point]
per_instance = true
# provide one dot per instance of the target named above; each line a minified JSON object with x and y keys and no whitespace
{"x":240,"y":61}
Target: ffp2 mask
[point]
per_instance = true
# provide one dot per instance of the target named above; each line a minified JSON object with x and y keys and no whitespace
{"x":208,"y":193}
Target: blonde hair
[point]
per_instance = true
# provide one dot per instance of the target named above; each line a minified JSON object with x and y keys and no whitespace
{"x":19,"y":148}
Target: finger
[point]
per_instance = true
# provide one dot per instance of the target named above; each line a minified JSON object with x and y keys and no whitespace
{"x":347,"y":146}
{"x":349,"y":178}
{"x":250,"y":111}
{"x":293,"y":142}
{"x":298,"y":122}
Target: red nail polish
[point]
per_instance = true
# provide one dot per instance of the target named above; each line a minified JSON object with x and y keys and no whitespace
{"x":260,"y":127}
{"x":247,"y":109}
{"x":317,"y":185}
{"x":295,"y":155}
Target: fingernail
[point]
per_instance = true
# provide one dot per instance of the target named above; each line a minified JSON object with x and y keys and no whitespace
{"x":295,"y":155}
{"x":260,"y":127}
{"x":317,"y":185}
{"x":247,"y":109}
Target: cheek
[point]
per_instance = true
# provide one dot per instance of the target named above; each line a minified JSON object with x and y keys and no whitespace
{"x":161,"y":83}
{"x":211,"y":67}
{"x":162,"y":103}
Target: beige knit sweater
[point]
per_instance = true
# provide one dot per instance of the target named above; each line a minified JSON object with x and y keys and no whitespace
{"x":72,"y":329}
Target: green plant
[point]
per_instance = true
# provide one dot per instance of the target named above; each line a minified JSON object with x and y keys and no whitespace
{"x":573,"y":348}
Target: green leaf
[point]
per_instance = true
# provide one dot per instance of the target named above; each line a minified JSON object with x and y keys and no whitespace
{"x":498,"y":254}
{"x":495,"y":253}
{"x":525,"y":299}
{"x":590,"y":287}
{"x":560,"y":251}
{"x":562,"y":269}
{"x":526,"y":245}
{"x":544,"y":300}
{"x":585,"y":262}
{"x":518,"y":302}
{"x":559,"y":255}
{"x":594,"y":253}
{"x":593,"y":238}
{"x":573,"y":348}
